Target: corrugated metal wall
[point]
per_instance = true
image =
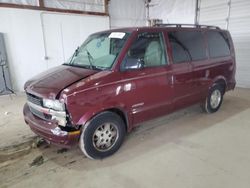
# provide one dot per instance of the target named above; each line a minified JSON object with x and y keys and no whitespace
{"x":234,"y":15}
{"x":239,"y":25}
{"x":213,"y":12}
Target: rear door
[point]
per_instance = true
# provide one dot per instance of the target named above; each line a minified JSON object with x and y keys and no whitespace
{"x":148,"y":90}
{"x":196,"y":44}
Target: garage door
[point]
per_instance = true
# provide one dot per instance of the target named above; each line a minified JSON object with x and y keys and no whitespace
{"x":234,"y":15}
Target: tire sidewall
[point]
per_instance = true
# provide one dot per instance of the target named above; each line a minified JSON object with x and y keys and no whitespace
{"x":208,"y":106}
{"x":86,"y":144}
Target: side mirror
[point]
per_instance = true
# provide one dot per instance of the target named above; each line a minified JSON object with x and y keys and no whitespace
{"x":132,"y":64}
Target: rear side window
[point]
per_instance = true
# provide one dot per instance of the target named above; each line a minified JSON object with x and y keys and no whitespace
{"x":218,"y":44}
{"x":187,"y":46}
{"x":180,"y":54}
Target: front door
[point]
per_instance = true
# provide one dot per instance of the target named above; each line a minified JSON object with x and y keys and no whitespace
{"x":148,"y":88}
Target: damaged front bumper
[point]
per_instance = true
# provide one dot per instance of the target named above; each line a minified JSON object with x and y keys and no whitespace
{"x":49,"y":130}
{"x":58,"y":116}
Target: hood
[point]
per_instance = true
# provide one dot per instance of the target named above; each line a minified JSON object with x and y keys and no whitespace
{"x":50,"y":83}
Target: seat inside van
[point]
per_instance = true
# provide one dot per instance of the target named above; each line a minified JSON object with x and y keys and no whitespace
{"x":153,"y":54}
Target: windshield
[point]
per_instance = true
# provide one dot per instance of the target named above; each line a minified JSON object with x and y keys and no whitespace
{"x":99,"y":51}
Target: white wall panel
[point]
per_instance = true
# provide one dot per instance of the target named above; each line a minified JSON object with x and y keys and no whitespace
{"x":127,"y":13}
{"x":23,"y":35}
{"x":213,"y":12}
{"x":212,"y":3}
{"x":64,"y":33}
{"x":173,"y":11}
{"x":21,"y":2}
{"x":82,"y":5}
{"x":23,"y":38}
{"x":133,"y":12}
{"x":239,"y":26}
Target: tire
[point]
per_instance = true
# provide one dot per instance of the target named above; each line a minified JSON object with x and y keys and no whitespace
{"x":212,"y":104}
{"x":102,"y":136}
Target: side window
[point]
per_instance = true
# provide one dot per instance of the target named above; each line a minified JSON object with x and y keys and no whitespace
{"x":147,"y":48}
{"x":217,"y":44}
{"x":179,"y":53}
{"x":190,"y":44}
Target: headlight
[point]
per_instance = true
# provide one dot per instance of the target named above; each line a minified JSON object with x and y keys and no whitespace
{"x":54,"y":104}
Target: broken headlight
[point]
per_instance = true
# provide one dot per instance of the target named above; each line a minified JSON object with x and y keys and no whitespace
{"x":54,"y":104}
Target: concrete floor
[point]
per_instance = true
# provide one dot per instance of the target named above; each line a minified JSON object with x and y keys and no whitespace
{"x":186,"y":149}
{"x":13,"y":130}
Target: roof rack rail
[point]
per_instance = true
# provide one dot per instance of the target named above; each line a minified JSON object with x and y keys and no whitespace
{"x":187,"y":26}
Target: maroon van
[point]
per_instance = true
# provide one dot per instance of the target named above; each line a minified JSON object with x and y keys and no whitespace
{"x":119,"y":78}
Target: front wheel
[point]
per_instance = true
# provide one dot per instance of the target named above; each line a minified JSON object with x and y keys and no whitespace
{"x":102,"y":136}
{"x":214,"y":99}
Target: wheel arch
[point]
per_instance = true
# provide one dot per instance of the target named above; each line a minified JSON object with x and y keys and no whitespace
{"x":119,"y":111}
{"x":221,"y":81}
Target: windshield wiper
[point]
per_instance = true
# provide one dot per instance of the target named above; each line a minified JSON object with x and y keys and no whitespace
{"x":74,"y":55}
{"x":90,"y":58}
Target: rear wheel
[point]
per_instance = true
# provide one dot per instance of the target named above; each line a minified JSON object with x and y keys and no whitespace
{"x":214,"y":99}
{"x":102,"y":136}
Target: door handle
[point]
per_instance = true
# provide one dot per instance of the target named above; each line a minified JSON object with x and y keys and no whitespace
{"x":171,"y":79}
{"x":207,"y":73}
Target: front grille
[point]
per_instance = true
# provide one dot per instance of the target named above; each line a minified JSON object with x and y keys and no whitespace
{"x":34,"y":99}
{"x":40,"y":114}
{"x":38,"y":101}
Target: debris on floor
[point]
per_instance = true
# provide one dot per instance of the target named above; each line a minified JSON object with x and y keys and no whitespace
{"x":71,"y":162}
{"x":16,"y":150}
{"x":37,"y":161}
{"x":63,"y":150}
{"x":40,"y":142}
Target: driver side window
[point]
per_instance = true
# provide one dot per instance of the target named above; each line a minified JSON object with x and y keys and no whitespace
{"x":147,"y":50}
